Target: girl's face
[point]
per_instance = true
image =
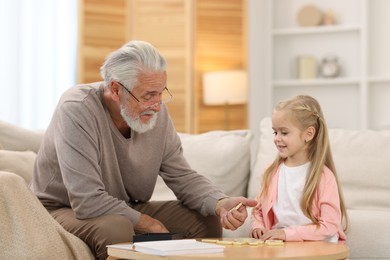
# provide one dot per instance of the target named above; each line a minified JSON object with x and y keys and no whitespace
{"x":289,"y":139}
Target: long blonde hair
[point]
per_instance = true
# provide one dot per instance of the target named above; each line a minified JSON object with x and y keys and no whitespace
{"x":304,"y":112}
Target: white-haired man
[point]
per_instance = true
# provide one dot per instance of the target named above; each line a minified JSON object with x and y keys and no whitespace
{"x":103,"y":150}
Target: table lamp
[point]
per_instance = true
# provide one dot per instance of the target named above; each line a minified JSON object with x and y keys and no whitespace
{"x":225,"y":88}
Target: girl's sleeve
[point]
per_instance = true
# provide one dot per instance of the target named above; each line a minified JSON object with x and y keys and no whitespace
{"x":257,"y":220}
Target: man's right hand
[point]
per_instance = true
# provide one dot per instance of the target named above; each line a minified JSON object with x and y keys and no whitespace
{"x":147,"y":224}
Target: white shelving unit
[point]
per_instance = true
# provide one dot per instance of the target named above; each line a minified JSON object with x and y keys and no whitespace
{"x":359,"y":98}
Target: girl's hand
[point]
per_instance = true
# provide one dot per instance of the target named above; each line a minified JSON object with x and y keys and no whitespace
{"x":276,"y":234}
{"x":258,"y":232}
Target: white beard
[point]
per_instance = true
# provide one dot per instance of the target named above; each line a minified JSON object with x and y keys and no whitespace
{"x":135,"y":123}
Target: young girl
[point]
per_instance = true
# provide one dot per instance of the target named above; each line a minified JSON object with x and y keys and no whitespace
{"x":301,"y":197}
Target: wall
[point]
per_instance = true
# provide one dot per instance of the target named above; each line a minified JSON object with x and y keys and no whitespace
{"x":194,"y":36}
{"x":220,"y":43}
{"x":259,"y":96}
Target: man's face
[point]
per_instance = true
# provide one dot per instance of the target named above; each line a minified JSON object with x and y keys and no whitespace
{"x":141,"y":115}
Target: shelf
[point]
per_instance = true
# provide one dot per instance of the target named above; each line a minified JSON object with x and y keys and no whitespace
{"x":316,"y":30}
{"x":315,"y":82}
{"x":379,"y":79}
{"x":358,"y":39}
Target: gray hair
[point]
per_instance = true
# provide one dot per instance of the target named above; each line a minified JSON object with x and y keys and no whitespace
{"x":124,"y":64}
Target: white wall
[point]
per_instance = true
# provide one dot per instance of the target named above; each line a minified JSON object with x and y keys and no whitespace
{"x":259,"y":95}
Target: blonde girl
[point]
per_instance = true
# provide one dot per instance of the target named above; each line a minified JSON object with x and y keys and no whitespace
{"x":300,"y":197}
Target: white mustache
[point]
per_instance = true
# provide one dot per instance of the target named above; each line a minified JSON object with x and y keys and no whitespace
{"x":148,"y":112}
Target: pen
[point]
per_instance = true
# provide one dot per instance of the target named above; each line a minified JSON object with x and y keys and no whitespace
{"x":236,"y":207}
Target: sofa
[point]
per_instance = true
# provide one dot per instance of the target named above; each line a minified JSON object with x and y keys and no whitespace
{"x":233,"y":160}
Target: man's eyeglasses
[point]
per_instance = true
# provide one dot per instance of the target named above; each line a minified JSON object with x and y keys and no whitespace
{"x":151,"y":100}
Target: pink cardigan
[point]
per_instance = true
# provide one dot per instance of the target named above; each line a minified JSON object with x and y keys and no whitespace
{"x":326,"y":208}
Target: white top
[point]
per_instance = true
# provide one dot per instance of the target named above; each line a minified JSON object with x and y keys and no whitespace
{"x":287,"y":207}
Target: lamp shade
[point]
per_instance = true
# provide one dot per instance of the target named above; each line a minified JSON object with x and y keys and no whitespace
{"x":225,"y":87}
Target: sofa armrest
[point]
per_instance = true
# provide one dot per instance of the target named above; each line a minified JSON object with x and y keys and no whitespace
{"x":16,"y":138}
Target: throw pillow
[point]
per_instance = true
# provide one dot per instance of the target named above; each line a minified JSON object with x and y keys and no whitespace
{"x":20,"y":163}
{"x":16,"y":138}
{"x":265,"y":155}
{"x":221,"y":156}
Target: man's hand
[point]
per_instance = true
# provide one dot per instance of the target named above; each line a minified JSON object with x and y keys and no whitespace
{"x":147,"y":224}
{"x":231,"y":217}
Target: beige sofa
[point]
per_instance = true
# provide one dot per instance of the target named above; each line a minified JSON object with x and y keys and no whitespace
{"x":361,"y":157}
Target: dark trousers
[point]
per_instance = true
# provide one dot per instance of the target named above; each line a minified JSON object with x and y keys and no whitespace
{"x":111,"y":229}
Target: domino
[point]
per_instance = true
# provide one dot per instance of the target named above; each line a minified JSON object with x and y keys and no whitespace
{"x":255,"y":242}
{"x":210,"y":240}
{"x":236,"y":207}
{"x":224,"y":242}
{"x":239,"y":243}
{"x":274,"y":242}
{"x":248,"y":241}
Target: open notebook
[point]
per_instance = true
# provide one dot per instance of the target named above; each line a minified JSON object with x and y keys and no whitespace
{"x":177,"y":247}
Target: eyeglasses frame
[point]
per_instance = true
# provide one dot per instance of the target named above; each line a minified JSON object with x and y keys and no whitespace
{"x":140,"y":102}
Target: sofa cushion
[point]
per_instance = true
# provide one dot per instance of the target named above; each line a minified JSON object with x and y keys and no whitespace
{"x":16,"y":138}
{"x":368,"y":237}
{"x":360,"y":159}
{"x":363,"y":167}
{"x":21,"y":163}
{"x":221,"y":156}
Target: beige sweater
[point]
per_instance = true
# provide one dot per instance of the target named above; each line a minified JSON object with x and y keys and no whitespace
{"x":85,"y":163}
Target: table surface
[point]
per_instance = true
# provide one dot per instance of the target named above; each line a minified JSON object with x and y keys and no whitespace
{"x":316,"y":250}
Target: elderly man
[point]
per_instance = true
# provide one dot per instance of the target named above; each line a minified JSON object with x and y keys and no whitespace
{"x":103,"y":150}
